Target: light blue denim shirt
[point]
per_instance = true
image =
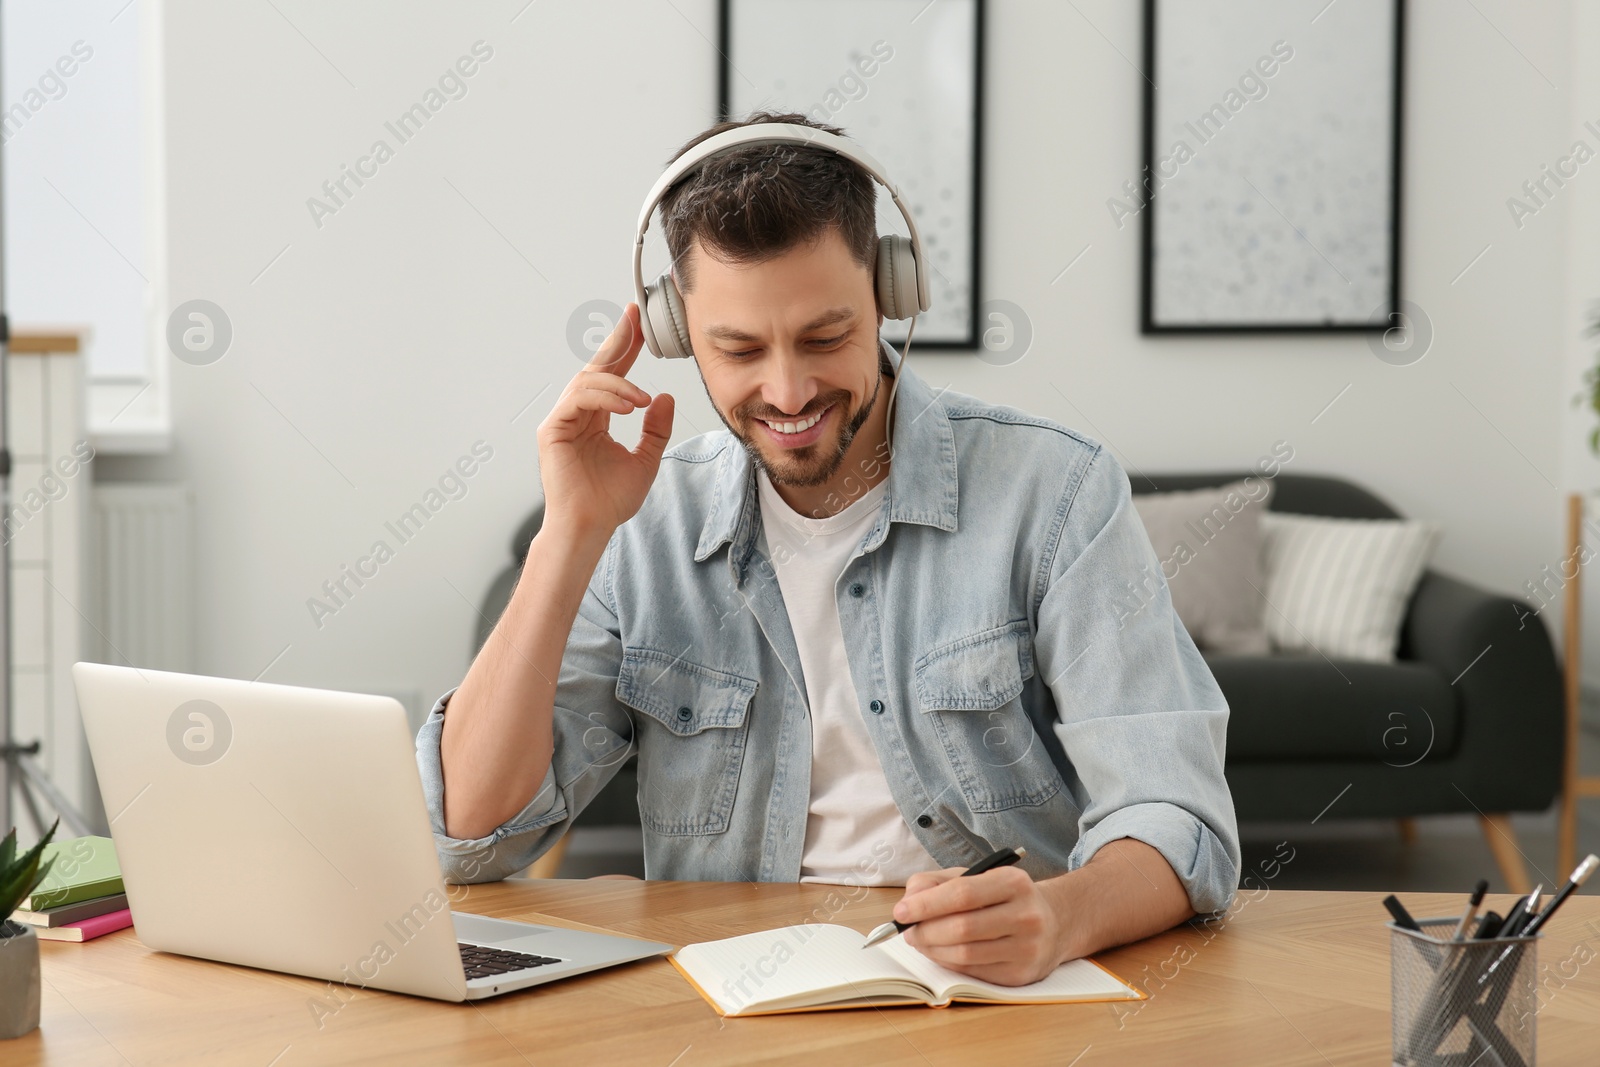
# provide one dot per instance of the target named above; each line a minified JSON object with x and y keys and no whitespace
{"x":1011,"y":696}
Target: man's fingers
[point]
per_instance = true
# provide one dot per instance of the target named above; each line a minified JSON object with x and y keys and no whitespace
{"x":925,"y":880}
{"x":657,"y":429}
{"x":964,"y":954}
{"x":995,"y":926}
{"x":1009,"y":918}
{"x":578,"y":401}
{"x":622,"y":337}
{"x":618,"y":351}
{"x":960,"y":894}
{"x":616,"y":383}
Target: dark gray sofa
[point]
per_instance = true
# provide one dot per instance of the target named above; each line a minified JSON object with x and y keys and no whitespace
{"x":1468,"y":720}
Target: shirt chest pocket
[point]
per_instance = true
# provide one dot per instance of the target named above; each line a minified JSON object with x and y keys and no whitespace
{"x":970,"y":691}
{"x":692,"y":733}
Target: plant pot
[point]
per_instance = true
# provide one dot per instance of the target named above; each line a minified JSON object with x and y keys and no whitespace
{"x":19,"y":980}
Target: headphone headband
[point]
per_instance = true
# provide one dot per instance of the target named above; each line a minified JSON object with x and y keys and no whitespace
{"x":770,"y":133}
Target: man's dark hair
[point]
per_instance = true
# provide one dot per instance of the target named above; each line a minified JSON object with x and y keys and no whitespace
{"x":760,"y":201}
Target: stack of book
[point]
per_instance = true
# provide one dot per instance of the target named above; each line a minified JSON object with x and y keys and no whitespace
{"x":81,"y":898}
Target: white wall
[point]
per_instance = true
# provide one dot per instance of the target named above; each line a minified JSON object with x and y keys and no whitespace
{"x":74,"y":233}
{"x":378,"y":348}
{"x":1580,"y":466}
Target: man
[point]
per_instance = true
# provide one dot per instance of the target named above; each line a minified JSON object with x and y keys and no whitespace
{"x":844,"y":650}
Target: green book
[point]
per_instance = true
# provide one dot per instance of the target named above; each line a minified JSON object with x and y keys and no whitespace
{"x":84,"y":868}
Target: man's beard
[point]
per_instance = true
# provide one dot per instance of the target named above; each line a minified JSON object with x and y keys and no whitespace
{"x":822,"y":464}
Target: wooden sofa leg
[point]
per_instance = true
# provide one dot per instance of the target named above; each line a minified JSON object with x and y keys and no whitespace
{"x":1502,"y":841}
{"x":1408,"y":831}
{"x":548,"y":864}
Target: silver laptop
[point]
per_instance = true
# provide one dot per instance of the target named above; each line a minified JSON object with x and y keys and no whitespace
{"x":284,"y":828}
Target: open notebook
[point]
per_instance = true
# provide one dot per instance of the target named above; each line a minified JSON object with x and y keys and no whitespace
{"x":815,"y":967}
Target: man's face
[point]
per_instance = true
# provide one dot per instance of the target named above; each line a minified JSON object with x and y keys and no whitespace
{"x":785,"y":341}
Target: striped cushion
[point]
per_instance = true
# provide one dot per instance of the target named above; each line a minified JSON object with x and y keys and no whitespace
{"x":1339,"y":587}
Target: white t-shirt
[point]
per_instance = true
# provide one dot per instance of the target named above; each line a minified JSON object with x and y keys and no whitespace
{"x":855,"y":835}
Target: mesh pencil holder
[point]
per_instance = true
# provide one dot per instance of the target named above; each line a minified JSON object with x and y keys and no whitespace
{"x":1461,"y":1002}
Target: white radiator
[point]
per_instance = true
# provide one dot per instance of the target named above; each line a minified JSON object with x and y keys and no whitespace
{"x":139,"y":563}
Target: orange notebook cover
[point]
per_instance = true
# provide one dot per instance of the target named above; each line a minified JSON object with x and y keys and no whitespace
{"x":823,"y":967}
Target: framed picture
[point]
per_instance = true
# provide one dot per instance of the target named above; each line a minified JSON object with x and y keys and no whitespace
{"x":903,"y":79}
{"x":1270,"y":194}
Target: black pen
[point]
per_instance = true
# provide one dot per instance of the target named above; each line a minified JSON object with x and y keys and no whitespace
{"x":1521,"y":912}
{"x":1579,"y":876}
{"x":1004,"y":858}
{"x":1530,"y":926}
{"x":1514,"y":927}
{"x":1402,"y":917}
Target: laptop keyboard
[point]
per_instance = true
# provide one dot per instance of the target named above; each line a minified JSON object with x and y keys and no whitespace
{"x":484,"y":962}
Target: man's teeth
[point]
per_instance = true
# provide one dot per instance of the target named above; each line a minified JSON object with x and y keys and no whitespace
{"x":796,"y":427}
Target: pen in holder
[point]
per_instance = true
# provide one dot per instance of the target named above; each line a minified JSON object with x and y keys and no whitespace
{"x":1461,"y":1002}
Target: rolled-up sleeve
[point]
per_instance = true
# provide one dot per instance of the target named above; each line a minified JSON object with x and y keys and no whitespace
{"x":1142,"y":719}
{"x":593,"y":737}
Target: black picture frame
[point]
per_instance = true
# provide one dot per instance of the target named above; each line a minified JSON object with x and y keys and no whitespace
{"x":894,"y":331}
{"x":1378,"y":322}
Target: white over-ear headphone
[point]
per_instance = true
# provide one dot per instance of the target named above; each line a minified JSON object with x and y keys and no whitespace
{"x":902,"y":285}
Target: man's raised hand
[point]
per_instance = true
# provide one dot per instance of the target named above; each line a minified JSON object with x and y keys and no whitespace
{"x":592,"y":483}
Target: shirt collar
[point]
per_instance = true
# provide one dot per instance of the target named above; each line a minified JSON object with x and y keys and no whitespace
{"x":922,"y":474}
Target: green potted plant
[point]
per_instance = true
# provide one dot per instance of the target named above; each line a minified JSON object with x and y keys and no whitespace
{"x":1590,"y":395}
{"x":19,"y":946}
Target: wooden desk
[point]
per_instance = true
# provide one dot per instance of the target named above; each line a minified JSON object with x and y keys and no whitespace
{"x":1291,"y":978}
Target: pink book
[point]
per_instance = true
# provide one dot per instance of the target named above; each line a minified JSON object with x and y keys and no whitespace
{"x":87,"y":929}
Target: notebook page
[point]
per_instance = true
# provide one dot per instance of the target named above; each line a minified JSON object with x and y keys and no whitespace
{"x":773,"y":965}
{"x":1077,"y":979}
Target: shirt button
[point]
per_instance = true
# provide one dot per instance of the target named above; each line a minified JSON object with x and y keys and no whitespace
{"x":858,"y":590}
{"x":877,"y":707}
{"x":684,"y":714}
{"x":924,"y":821}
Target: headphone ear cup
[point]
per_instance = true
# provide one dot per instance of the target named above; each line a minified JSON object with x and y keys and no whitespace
{"x":666,"y":326}
{"x":897,"y":277}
